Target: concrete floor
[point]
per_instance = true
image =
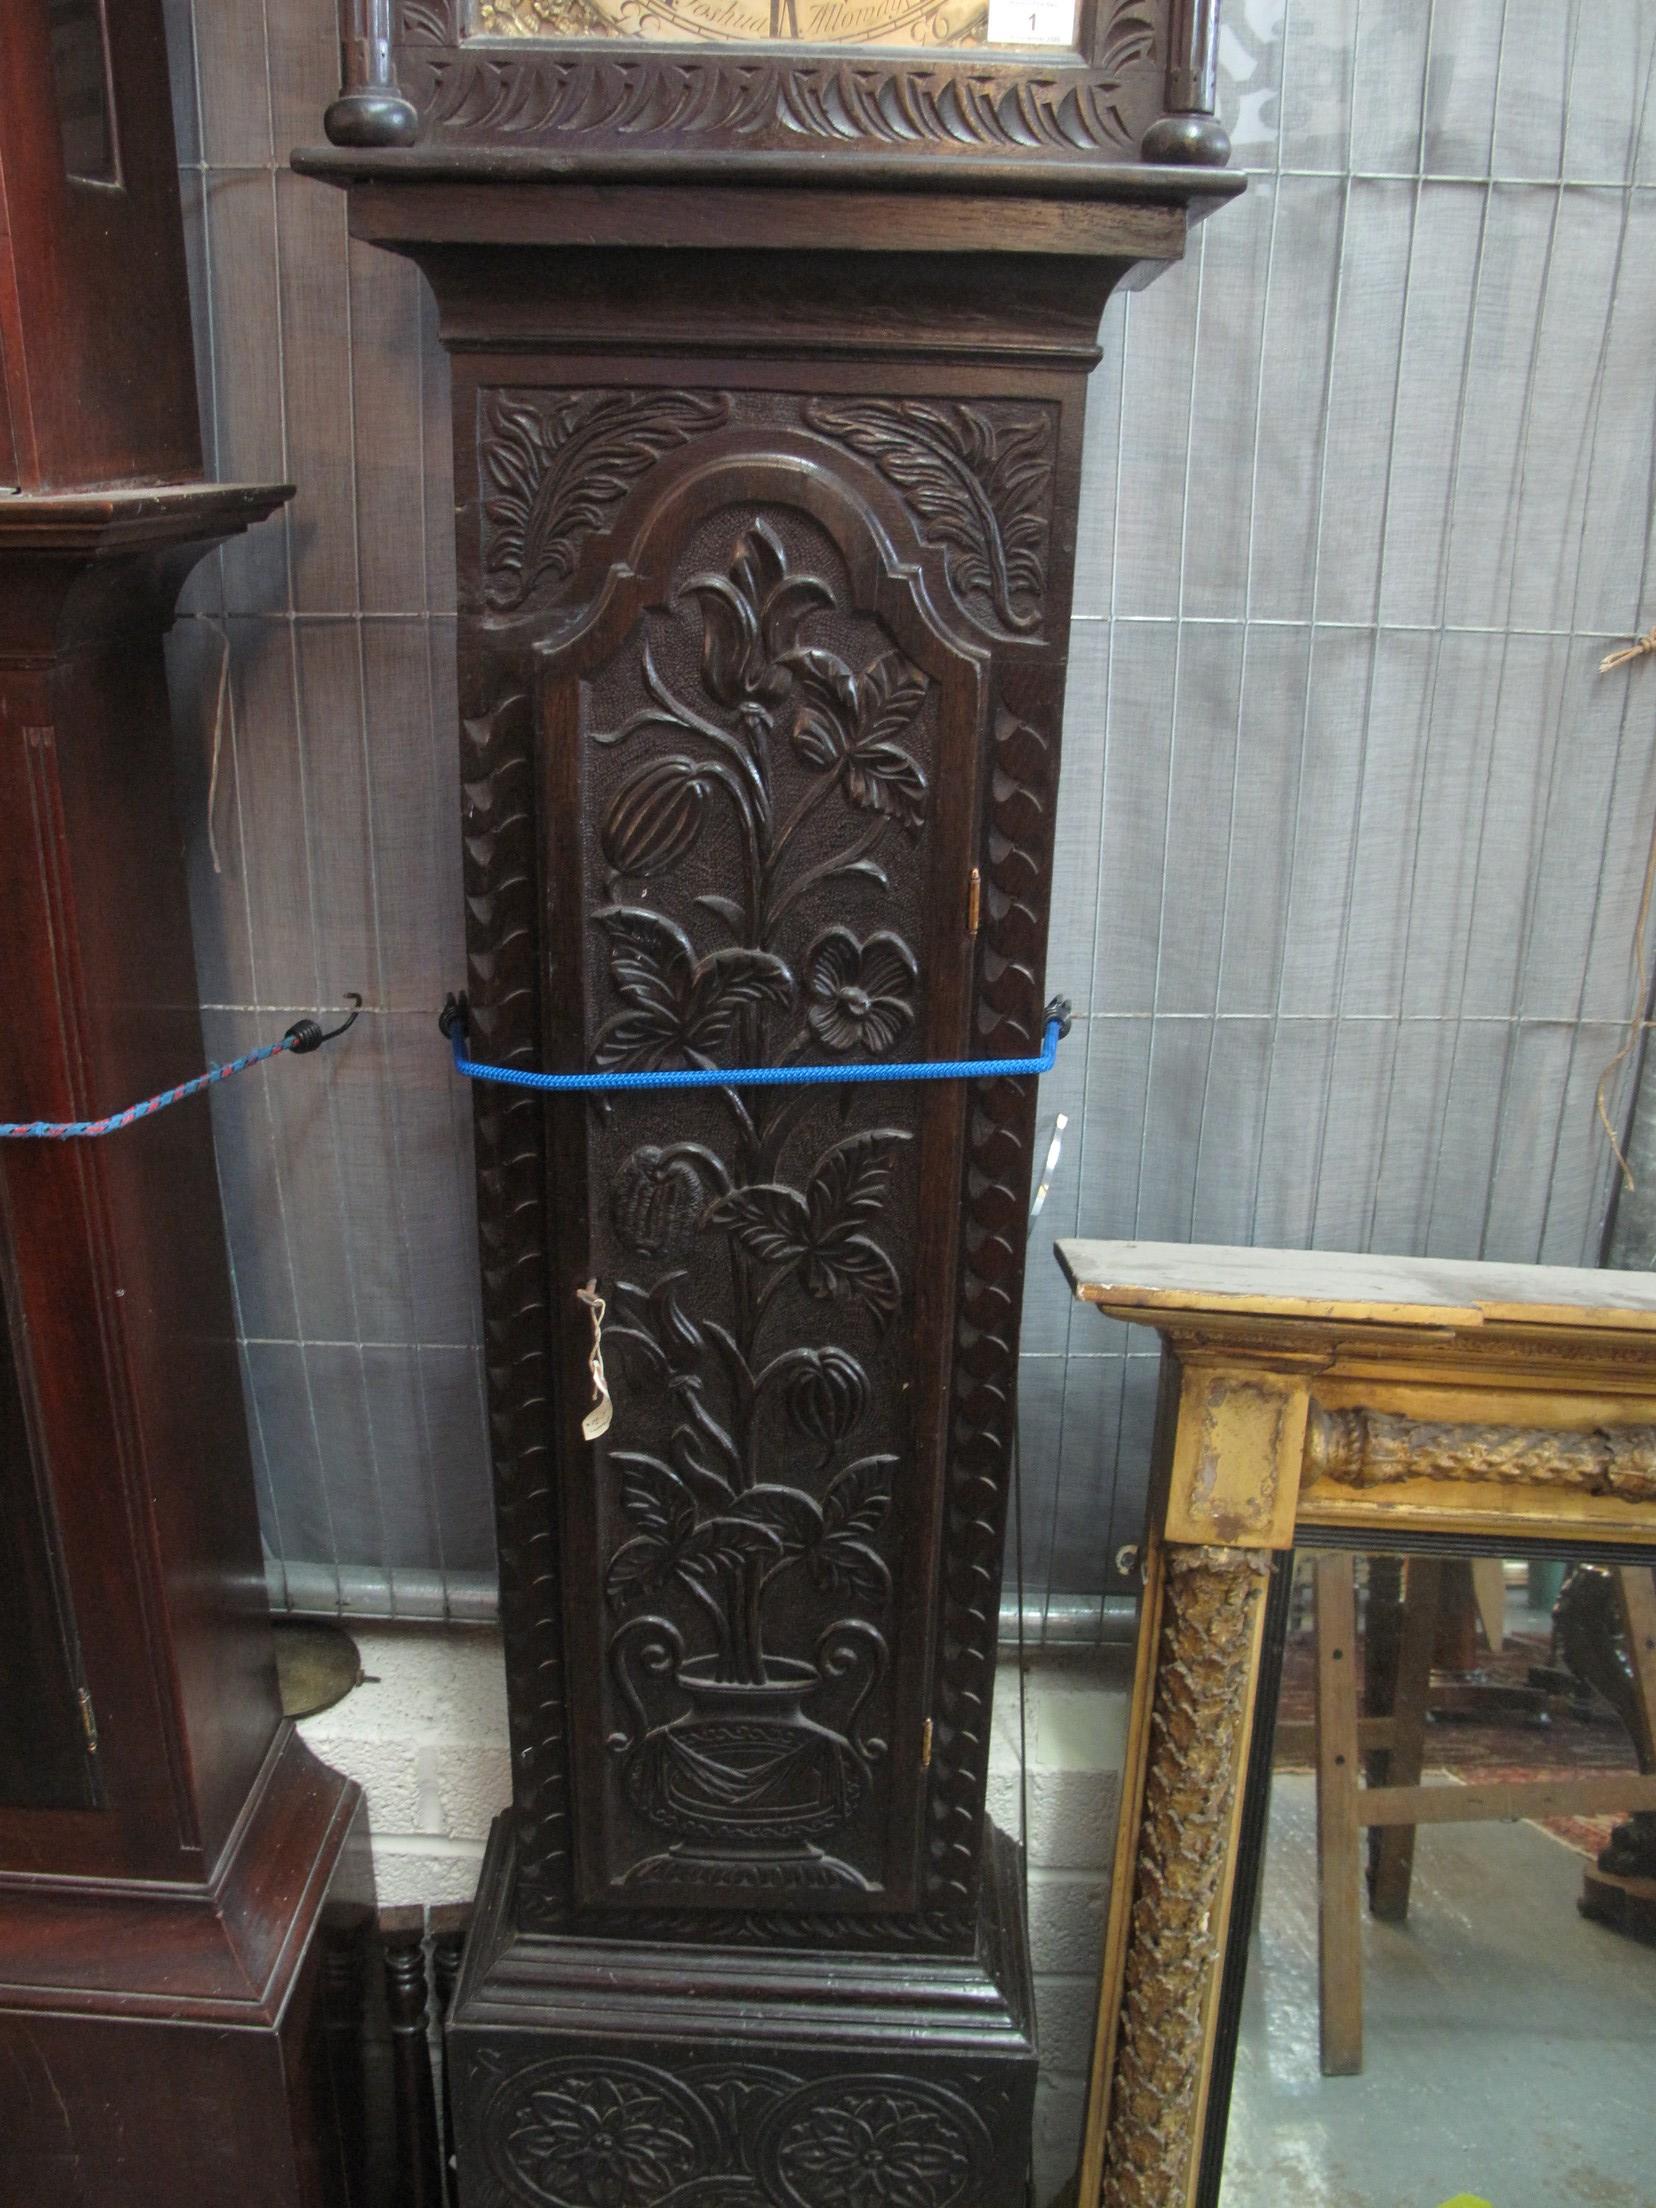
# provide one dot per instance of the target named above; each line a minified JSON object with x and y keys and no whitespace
{"x":1510,"y":2046}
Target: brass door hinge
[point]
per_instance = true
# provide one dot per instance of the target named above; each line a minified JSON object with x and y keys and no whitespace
{"x":925,"y":1746}
{"x":974,"y":901}
{"x":89,"y":1722}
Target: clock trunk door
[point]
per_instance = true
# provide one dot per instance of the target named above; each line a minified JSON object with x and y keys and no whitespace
{"x":759,"y":807}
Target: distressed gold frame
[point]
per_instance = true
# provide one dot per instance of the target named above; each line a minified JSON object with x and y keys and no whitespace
{"x":1368,"y":1400}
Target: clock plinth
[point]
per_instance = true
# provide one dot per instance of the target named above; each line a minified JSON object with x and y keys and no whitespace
{"x":766,"y":466}
{"x":747,"y":2071}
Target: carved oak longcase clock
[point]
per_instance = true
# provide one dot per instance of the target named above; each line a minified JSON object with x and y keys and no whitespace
{"x":770,"y":323}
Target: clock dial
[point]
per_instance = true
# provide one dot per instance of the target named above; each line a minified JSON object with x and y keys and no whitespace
{"x":913,"y":23}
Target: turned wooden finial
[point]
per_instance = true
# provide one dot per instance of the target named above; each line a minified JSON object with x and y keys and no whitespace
{"x":370,"y":109}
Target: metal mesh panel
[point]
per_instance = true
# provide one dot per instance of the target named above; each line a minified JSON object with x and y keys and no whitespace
{"x":1352,"y":829}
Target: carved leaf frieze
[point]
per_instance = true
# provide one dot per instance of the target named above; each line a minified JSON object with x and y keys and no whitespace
{"x":980,"y":479}
{"x":766,"y":103}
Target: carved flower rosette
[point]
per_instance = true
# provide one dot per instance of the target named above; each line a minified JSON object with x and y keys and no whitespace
{"x":760,"y":773}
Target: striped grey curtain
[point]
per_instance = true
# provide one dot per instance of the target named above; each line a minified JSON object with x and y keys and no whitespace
{"x":1352,"y":829}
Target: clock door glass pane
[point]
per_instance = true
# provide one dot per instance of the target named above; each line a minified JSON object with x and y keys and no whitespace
{"x":43,"y":1752}
{"x":80,"y":73}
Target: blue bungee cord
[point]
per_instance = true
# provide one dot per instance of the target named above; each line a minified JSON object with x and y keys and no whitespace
{"x":306,"y":1035}
{"x":301,"y":1038}
{"x":455,"y":1014}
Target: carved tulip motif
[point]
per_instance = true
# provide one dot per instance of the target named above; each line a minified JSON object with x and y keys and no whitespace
{"x":827,"y":1394}
{"x":656,"y":1201}
{"x":656,"y":817}
{"x":750,"y":619}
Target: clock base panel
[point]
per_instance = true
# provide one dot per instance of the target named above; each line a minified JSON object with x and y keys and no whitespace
{"x":589,"y":2070}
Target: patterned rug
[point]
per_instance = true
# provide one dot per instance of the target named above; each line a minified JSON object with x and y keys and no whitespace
{"x":1511,"y":1751}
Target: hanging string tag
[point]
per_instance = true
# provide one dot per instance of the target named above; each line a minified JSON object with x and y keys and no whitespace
{"x":1642,"y":647}
{"x":597,"y":1420}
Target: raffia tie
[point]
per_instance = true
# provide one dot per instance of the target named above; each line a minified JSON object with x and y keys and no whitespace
{"x":1629,"y":652}
{"x":1643,"y":647}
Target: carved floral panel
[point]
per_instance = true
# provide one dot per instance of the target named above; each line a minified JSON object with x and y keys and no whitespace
{"x":574,"y":2132}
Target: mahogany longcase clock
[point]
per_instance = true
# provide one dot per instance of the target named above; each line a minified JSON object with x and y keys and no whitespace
{"x":174,"y":1863}
{"x":770,"y":323}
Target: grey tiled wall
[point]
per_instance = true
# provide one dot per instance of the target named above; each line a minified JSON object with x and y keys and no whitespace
{"x":1352,"y":829}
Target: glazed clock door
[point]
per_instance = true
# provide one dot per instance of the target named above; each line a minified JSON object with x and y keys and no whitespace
{"x":759,"y":788}
{"x":44,"y":1752}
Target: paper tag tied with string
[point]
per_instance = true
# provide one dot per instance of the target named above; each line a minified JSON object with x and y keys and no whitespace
{"x":597,"y":1420}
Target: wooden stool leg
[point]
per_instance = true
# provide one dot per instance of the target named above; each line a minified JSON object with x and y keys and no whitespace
{"x":1636,"y":1588}
{"x":1382,"y":1638}
{"x":1339,"y":1922}
{"x":419,"y":2176}
{"x":1394,"y":1850}
{"x":1489,"y":1592}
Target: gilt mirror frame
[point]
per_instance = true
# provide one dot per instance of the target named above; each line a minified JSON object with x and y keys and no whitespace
{"x":1319,"y":1400}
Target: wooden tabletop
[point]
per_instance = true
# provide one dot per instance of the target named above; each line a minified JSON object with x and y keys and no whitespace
{"x":1143,"y":1280}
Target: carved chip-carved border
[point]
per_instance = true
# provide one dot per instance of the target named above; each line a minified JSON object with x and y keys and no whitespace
{"x":503,"y":988}
{"x":1000,"y":1120}
{"x":469,"y":91}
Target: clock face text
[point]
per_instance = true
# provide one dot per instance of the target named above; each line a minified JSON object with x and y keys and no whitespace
{"x":912,"y":23}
